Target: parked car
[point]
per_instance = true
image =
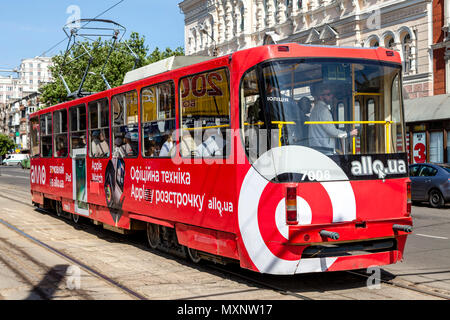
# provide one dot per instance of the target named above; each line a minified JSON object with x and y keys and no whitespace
{"x":430,"y":182}
{"x":14,"y":159}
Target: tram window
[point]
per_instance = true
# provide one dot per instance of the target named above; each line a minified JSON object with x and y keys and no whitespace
{"x":158,"y":120}
{"x":252,"y":115}
{"x":34,"y":136}
{"x":397,"y":124}
{"x":60,"y":133}
{"x":99,"y":128}
{"x":46,"y":135}
{"x":205,"y":115}
{"x":77,"y":122}
{"x":125,"y":128}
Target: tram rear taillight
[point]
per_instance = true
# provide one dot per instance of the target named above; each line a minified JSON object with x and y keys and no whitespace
{"x":291,"y":205}
{"x":408,"y":201}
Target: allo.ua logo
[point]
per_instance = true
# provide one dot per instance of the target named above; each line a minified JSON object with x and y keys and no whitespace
{"x":368,"y":167}
{"x":38,"y":175}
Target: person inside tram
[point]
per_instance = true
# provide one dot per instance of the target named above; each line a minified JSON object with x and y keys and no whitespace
{"x":119,"y":151}
{"x":99,"y":147}
{"x":322,"y":137}
{"x":212,"y":145}
{"x":187,"y":144}
{"x":82,"y":142}
{"x":128,"y":145}
{"x":167,"y":146}
{"x":61,"y":148}
{"x":152,"y":149}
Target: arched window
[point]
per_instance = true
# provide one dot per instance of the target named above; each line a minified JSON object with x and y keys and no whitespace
{"x":390,"y":43}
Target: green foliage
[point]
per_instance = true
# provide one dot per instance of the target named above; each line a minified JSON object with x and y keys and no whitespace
{"x":6,"y":144}
{"x":119,"y":63}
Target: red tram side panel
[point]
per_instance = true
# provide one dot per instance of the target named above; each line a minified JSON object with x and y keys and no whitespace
{"x":229,"y":203}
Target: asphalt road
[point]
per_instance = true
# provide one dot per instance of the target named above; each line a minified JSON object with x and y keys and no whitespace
{"x":427,"y":255}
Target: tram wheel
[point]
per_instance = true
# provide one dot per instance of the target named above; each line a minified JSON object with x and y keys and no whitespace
{"x":193,"y":255}
{"x":153,"y":235}
{"x":58,"y":208}
{"x":75,"y":218}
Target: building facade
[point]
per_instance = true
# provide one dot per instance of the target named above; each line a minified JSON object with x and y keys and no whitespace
{"x":403,"y":25}
{"x":19,"y":97}
{"x":14,"y":119}
{"x":417,"y":29}
{"x":429,"y":117}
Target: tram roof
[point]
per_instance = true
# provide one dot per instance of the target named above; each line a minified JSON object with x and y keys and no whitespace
{"x":246,"y":58}
{"x":162,"y":66}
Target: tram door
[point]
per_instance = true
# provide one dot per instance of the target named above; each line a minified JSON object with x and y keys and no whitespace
{"x":371,"y":136}
{"x":80,"y":181}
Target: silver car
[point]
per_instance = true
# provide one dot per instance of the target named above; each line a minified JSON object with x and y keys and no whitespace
{"x":430,"y":182}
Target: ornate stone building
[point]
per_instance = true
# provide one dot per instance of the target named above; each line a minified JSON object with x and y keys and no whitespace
{"x":418,"y":29}
{"x":403,"y":25}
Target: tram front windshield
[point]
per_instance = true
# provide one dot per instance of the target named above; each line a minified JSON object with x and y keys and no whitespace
{"x":335,"y":106}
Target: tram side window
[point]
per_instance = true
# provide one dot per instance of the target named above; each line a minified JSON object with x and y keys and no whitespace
{"x":252,"y":115}
{"x":125,"y":125}
{"x":77,"y":121}
{"x":60,"y":133}
{"x":99,"y":129}
{"x":205,"y":115}
{"x":46,"y":135}
{"x":34,"y":137}
{"x":158,"y":120}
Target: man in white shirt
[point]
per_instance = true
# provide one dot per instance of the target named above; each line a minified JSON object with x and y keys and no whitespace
{"x":322,"y":137}
{"x":99,"y":146}
{"x":166,"y":147}
{"x":212,"y":146}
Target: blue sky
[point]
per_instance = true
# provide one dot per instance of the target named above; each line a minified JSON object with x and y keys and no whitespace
{"x":29,"y":27}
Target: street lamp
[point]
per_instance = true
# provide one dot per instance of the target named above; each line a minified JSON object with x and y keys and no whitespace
{"x":203,"y":29}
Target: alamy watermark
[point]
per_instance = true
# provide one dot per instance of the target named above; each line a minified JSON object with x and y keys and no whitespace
{"x":73,"y":21}
{"x":374,"y":20}
{"x":73,"y":280}
{"x":374,"y":280}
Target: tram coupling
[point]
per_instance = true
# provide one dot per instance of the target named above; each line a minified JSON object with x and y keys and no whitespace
{"x":329,"y":234}
{"x":404,"y":228}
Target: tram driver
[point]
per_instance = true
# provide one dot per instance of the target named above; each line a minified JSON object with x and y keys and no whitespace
{"x":322,"y":137}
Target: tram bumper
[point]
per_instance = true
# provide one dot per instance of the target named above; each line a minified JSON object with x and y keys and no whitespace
{"x":353,"y":245}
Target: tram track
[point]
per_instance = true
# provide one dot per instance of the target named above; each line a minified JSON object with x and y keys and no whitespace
{"x":74,"y":261}
{"x":408,"y":286}
{"x":224,"y":270}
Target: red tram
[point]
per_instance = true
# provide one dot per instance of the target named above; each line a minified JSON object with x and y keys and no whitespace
{"x":284,"y":158}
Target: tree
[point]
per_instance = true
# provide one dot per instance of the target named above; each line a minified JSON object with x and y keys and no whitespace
{"x":119,"y":63}
{"x":6,"y":144}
